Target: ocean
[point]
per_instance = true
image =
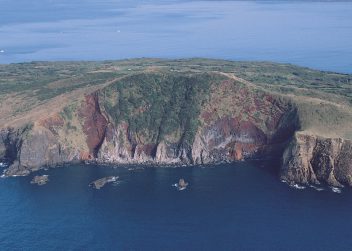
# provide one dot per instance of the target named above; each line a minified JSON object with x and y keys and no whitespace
{"x":239,"y":206}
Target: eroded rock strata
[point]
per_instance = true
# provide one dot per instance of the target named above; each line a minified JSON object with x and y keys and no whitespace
{"x":312,"y":159}
{"x":179,"y":118}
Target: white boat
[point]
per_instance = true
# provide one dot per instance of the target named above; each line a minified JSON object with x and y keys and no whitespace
{"x":2,"y":51}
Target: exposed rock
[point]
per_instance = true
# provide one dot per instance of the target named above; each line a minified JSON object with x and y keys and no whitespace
{"x":52,"y":123}
{"x":94,"y":123}
{"x":97,"y":184}
{"x":215,"y":117}
{"x":181,"y":185}
{"x":313,"y":159}
{"x":17,"y":170}
{"x":10,"y":142}
{"x":40,"y":148}
{"x":40,"y":180}
{"x":116,"y":148}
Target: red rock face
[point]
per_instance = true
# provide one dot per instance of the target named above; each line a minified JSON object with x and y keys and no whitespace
{"x":241,"y":131}
{"x":235,"y":138}
{"x":52,"y":123}
{"x":238,"y":151}
{"x":95,"y":123}
{"x":256,"y":122}
{"x":85,"y":156}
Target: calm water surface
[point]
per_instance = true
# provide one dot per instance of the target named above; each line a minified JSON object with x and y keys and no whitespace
{"x":230,"y":207}
{"x":314,"y":34}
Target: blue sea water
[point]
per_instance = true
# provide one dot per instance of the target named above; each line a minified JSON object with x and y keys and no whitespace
{"x":309,"y":33}
{"x":240,"y":206}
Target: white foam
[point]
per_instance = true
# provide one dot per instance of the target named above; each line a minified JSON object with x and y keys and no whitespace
{"x":298,"y":186}
{"x":317,"y":188}
{"x":116,"y":183}
{"x":336,"y":189}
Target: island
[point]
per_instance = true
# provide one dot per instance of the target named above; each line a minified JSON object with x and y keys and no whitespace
{"x":177,"y":112}
{"x":40,"y":179}
{"x":97,"y":184}
{"x":181,"y":185}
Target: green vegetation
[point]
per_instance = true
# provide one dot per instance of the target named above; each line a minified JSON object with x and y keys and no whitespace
{"x":289,"y":79}
{"x":159,"y":104}
{"x":26,"y":130}
{"x":68,"y":111}
{"x":163,"y":97}
{"x":49,"y":79}
{"x":71,"y":127}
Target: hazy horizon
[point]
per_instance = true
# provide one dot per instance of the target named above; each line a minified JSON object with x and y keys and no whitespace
{"x":314,"y":34}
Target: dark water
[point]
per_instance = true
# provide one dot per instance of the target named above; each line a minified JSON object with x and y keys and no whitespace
{"x":231,"y":207}
{"x":314,"y":34}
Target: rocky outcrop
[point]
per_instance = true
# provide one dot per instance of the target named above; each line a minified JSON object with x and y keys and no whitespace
{"x":40,"y":180}
{"x":97,"y":184}
{"x":316,"y":160}
{"x":228,"y":139}
{"x":34,"y":149}
{"x":201,"y":119}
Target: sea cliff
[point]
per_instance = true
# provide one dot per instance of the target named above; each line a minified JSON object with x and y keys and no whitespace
{"x":169,"y":112}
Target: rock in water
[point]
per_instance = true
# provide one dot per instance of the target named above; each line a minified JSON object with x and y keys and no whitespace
{"x":103,"y":181}
{"x":182,"y":184}
{"x":40,"y":180}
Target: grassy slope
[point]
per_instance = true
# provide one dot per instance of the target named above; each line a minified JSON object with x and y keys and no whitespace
{"x":29,"y":91}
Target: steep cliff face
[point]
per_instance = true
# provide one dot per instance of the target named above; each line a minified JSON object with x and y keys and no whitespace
{"x":233,"y":123}
{"x":28,"y":149}
{"x":186,"y":117}
{"x":239,"y":124}
{"x":182,"y":119}
{"x":10,"y":142}
{"x":94,"y":124}
{"x":316,"y":160}
{"x":37,"y":149}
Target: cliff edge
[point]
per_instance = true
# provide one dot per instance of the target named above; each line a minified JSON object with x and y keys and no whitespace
{"x":177,"y":112}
